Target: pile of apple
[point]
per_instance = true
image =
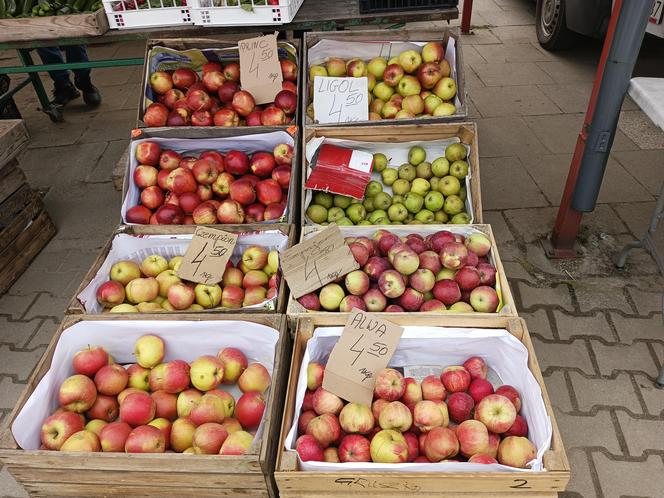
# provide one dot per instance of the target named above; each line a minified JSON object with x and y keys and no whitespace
{"x":216,"y":99}
{"x":454,"y":417}
{"x":154,"y":407}
{"x":210,"y":188}
{"x":422,"y":193}
{"x":444,"y":271}
{"x":154,"y":286}
{"x":407,"y":86}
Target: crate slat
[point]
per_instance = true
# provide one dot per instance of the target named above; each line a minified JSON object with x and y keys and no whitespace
{"x":13,"y":133}
{"x":53,"y":27}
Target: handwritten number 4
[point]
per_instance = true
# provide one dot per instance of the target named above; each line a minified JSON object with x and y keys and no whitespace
{"x":200,"y":257}
{"x":359,"y":352}
{"x":253,"y":68}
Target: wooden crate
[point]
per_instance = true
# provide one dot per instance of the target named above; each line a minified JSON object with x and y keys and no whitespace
{"x":25,"y":228}
{"x":467,"y":133}
{"x":76,"y":308}
{"x":49,"y":473}
{"x":295,"y":483}
{"x":385,"y":35}
{"x":53,"y":27}
{"x":296,"y":311}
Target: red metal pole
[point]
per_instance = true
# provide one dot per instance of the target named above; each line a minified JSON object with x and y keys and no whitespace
{"x":568,"y":220}
{"x":465,"y":16}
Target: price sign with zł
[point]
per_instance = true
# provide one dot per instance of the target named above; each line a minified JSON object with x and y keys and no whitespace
{"x":260,"y":70}
{"x":207,"y":255}
{"x":341,"y":100}
{"x":310,"y":265}
{"x":365,"y":347}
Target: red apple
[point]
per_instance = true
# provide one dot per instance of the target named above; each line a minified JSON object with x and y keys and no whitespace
{"x":268,"y":191}
{"x":139,"y":215}
{"x":262,"y":164}
{"x":254,"y":118}
{"x":230,"y":212}
{"x":232,"y":71}
{"x":148,"y":153}
{"x":288,"y":70}
{"x":460,"y":406}
{"x":152,"y":197}
{"x":249,"y":410}
{"x":282,"y":175}
{"x":189,"y":201}
{"x":243,"y":103}
{"x":272,"y":116}
{"x":283,"y":154}
{"x":274,"y":211}
{"x":480,"y":389}
{"x":171,"y":97}
{"x":205,"y":172}
{"x":286,"y":101}
{"x":201,"y":118}
{"x":169,"y":215}
{"x":243,"y":192}
{"x":156,"y":114}
{"x":183,"y":78}
{"x":290,"y":86}
{"x":226,"y":117}
{"x":227,"y":90}
{"x":213,"y":80}
{"x":169,"y":160}
{"x":236,"y":162}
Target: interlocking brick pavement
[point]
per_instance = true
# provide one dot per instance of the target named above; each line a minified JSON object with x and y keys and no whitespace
{"x":597,"y":330}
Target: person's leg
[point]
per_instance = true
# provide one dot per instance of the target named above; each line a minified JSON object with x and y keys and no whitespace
{"x":63,"y":90}
{"x":91,"y":95}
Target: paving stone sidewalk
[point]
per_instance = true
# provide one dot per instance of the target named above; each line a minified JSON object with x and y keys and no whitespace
{"x":597,"y":330}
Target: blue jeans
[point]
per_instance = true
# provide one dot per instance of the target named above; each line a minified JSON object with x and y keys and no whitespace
{"x":75,"y":53}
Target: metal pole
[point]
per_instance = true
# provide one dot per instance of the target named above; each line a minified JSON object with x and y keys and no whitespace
{"x":466,"y":15}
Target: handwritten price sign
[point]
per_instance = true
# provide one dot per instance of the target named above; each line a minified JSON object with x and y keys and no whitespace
{"x":341,"y":100}
{"x":207,"y":255}
{"x":365,"y":347}
{"x":310,"y":265}
{"x":260,"y":70}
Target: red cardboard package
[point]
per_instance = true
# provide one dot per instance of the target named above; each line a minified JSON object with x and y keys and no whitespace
{"x":340,"y":170}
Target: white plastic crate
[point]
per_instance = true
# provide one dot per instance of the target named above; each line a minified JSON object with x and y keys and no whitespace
{"x":128,"y":14}
{"x":243,"y":12}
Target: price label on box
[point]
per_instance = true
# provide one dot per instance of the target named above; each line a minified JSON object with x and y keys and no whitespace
{"x":341,"y":100}
{"x":365,"y":347}
{"x":260,"y":70}
{"x":207,"y":255}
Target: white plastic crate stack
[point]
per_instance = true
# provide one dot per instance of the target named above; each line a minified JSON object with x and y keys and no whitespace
{"x":128,"y":14}
{"x":243,"y":12}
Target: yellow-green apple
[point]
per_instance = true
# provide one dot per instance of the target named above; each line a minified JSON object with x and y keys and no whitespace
{"x":395,"y":415}
{"x":82,"y":441}
{"x":145,"y":439}
{"x":104,"y":408}
{"x":330,"y":296}
{"x":232,"y":296}
{"x":234,"y":362}
{"x":236,"y":443}
{"x":124,"y":272}
{"x":326,"y":402}
{"x":389,"y":111}
{"x":441,"y":443}
{"x":516,"y":452}
{"x":413,"y":392}
{"x":57,"y":428}
{"x":354,"y":448}
{"x":166,"y":405}
{"x":232,"y":276}
{"x":496,"y":412}
{"x":208,"y":408}
{"x":390,"y":384}
{"x":318,"y":71}
{"x":331,"y":455}
{"x":446,"y":88}
{"x":165,"y":427}
{"x":357,"y":282}
{"x":137,"y":409}
{"x":166,"y":279}
{"x":110,"y":293}
{"x":111,"y":379}
{"x":113,"y":436}
{"x":208,"y":296}
{"x":431,"y":102}
{"x":413,"y":104}
{"x":249,"y":410}
{"x":77,"y":393}
{"x":325,"y":429}
{"x":127,"y":392}
{"x":89,"y":360}
{"x":446,"y":68}
{"x":335,"y":67}
{"x":473,"y":438}
{"x":254,"y":378}
{"x":272,"y":265}
{"x":519,"y":427}
{"x":377,"y":406}
{"x":433,"y":52}
{"x":96,"y":425}
{"x":377,"y":66}
{"x":254,"y":295}
{"x":142,"y":290}
{"x":461,"y":307}
{"x":208,"y":438}
{"x":181,"y":296}
{"x":479,"y":389}
{"x":153,"y":265}
{"x":149,"y":350}
{"x":484,"y":299}
{"x":315,"y":373}
{"x":206,"y":372}
{"x":389,"y":446}
{"x":512,"y":394}
{"x":182,"y":433}
{"x":374,"y":300}
{"x":444,"y":109}
{"x":391,"y":284}
{"x":138,"y":377}
{"x":227,"y":400}
{"x":356,"y":418}
{"x":231,"y":425}
{"x":186,"y":401}
{"x":308,"y":449}
{"x":383,"y":92}
{"x":410,"y":60}
{"x":476,"y":367}
{"x":356,"y":68}
{"x":161,"y":82}
{"x":124,"y":308}
{"x":409,"y":85}
{"x":460,"y":406}
{"x":427,"y":415}
{"x":150,"y":307}
{"x":446,"y":274}
{"x":255,"y":278}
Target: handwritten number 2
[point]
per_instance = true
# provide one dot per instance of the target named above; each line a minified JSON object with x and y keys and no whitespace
{"x":520,"y":483}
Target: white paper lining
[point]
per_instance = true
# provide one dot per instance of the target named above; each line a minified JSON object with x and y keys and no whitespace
{"x":442,"y":346}
{"x":138,"y":247}
{"x":248,"y":144}
{"x":397,"y":154}
{"x":185,"y":340}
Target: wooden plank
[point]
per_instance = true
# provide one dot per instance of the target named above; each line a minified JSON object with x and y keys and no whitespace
{"x":10,"y":233}
{"x":42,"y":230}
{"x":13,"y":206}
{"x":118,"y":174}
{"x":11,"y":182}
{"x":14,"y":135}
{"x":53,"y":27}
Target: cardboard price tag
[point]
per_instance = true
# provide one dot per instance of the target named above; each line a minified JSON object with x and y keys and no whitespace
{"x":260,"y":70}
{"x":317,"y":261}
{"x":207,"y":255}
{"x":341,"y":100}
{"x":365,"y":347}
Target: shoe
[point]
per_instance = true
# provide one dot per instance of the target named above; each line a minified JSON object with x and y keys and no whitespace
{"x":65,"y":93}
{"x":91,"y":94}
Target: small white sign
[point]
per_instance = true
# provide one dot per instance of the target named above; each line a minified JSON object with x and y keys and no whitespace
{"x":340,"y":100}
